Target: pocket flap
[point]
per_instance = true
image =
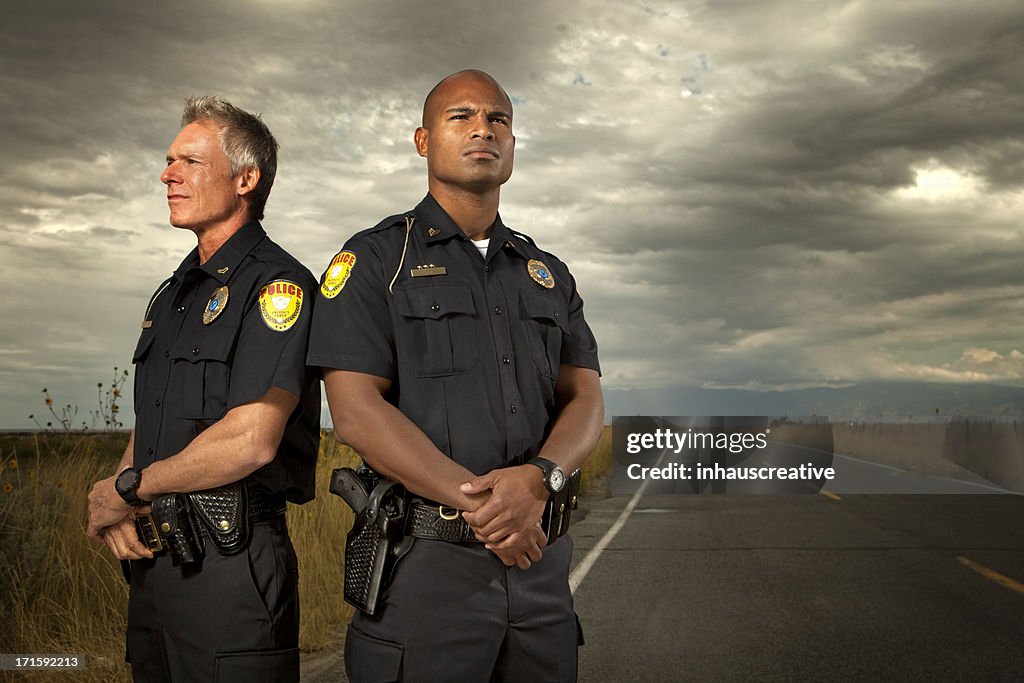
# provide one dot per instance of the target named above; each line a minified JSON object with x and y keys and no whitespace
{"x":370,"y":659}
{"x":549,"y":309}
{"x":271,"y":666}
{"x":434,"y":301}
{"x":201,"y":347}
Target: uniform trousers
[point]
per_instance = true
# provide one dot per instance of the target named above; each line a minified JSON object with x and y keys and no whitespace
{"x":227,"y":618}
{"x":454,"y":612}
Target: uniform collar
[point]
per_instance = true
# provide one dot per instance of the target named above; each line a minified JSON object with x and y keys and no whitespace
{"x":435,"y":225}
{"x":226,"y":259}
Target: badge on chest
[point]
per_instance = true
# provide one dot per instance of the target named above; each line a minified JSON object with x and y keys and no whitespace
{"x":216,"y":305}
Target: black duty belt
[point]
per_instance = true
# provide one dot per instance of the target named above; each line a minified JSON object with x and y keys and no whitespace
{"x":438,"y":523}
{"x":265,"y":506}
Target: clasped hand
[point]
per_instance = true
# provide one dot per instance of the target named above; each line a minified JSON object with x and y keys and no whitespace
{"x":509,"y":522}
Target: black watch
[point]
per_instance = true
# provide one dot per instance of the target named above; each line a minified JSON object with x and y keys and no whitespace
{"x":127,"y":486}
{"x":554,"y":476}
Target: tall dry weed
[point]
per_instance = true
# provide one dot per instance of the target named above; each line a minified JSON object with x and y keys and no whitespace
{"x":62,"y":593}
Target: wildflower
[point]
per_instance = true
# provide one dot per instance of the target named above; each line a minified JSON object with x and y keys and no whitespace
{"x":117,"y":392}
{"x":13,"y":464}
{"x":99,"y":385}
{"x":8,"y":488}
{"x":49,"y":401}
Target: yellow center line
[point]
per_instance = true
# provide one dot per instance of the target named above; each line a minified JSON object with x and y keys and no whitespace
{"x":992,"y":575}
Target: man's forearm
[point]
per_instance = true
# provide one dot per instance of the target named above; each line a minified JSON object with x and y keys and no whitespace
{"x":231,"y":449}
{"x":128,"y":457}
{"x":392,"y":444}
{"x":579,"y":423}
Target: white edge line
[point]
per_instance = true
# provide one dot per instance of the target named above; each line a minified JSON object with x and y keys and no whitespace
{"x":999,"y":489}
{"x":583,"y":568}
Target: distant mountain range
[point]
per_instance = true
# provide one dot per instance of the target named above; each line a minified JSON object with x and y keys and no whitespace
{"x":866,"y":401}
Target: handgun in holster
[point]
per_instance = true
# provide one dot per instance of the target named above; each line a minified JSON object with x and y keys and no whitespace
{"x":558,"y":510}
{"x":377,"y":539}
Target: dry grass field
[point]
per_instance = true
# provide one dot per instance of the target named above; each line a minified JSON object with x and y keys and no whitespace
{"x":62,"y":593}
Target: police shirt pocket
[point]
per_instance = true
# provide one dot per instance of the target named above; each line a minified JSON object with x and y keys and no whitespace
{"x":545,"y":318}
{"x":372,"y":660}
{"x":204,"y":363}
{"x":436,"y":334}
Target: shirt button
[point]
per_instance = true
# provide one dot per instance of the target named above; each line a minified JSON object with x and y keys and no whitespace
{"x":167,"y":354}
{"x":435,"y":308}
{"x":150,"y":451}
{"x":497,"y":310}
{"x":513,"y":408}
{"x":556,"y":316}
{"x":487,"y":269}
{"x":157,"y":403}
{"x":506,"y":360}
{"x":181,"y":309}
{"x":195,"y":350}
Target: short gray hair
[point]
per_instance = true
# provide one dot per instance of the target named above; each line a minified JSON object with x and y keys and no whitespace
{"x":245,"y":140}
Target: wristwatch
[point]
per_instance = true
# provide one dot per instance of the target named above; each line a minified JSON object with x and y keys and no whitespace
{"x":127,"y":485}
{"x":554,"y":476}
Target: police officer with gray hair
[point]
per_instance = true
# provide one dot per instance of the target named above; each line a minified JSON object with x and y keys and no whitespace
{"x":227,"y":425}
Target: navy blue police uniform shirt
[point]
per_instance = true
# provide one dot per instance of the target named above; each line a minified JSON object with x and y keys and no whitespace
{"x":472,"y":346}
{"x":221,"y":334}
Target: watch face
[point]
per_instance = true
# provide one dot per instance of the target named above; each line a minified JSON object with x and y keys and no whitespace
{"x":127,"y":481}
{"x":557,"y":479}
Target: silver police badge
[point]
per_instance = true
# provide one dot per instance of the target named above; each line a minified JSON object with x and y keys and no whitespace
{"x":216,"y":305}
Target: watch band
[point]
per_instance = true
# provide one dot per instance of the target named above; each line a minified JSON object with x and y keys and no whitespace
{"x":554,"y":476}
{"x":127,"y":486}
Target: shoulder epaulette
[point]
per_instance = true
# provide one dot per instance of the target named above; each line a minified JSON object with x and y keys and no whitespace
{"x":389,"y":222}
{"x":522,"y":236}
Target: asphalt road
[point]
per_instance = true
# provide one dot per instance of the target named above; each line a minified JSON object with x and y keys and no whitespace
{"x":807,"y":587}
{"x":803,"y":587}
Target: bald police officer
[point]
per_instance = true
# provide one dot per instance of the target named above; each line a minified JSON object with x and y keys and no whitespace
{"x":222,"y":397}
{"x":458,"y":362}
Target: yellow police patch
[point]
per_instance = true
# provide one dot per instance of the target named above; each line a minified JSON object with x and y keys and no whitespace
{"x":337,"y":273}
{"x":280,"y":304}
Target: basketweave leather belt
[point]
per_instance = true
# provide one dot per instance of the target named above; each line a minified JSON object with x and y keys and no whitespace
{"x":438,"y":523}
{"x":264,"y":506}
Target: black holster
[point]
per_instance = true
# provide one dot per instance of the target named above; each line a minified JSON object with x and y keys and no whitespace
{"x":377,"y":539}
{"x":558,"y":510}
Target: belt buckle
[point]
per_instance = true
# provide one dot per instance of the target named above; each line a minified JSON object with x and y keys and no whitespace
{"x":146,"y":528}
{"x":443,"y":512}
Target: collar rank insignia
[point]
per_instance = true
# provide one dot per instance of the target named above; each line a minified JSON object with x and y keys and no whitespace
{"x":433,"y":232}
{"x":540,"y":274}
{"x":216,"y":305}
{"x":427,"y":270}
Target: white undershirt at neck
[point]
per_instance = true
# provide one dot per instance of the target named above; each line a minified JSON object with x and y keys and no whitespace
{"x":481,"y":246}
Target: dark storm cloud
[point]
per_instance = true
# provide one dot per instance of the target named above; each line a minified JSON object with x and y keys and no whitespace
{"x":749,"y":194}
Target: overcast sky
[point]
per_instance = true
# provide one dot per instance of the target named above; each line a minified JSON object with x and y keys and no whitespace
{"x":750,"y":194}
